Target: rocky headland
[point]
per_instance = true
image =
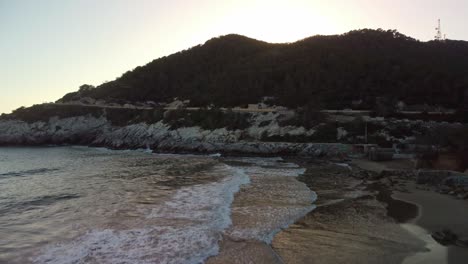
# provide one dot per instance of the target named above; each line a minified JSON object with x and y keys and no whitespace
{"x":159,"y":137}
{"x":273,"y":132}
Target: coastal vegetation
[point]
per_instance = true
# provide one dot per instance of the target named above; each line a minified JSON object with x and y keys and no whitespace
{"x":117,"y":116}
{"x":354,"y":69}
{"x":234,"y":89}
{"x":208,"y":119}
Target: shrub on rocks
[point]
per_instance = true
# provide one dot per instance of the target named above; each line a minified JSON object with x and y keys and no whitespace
{"x":208,"y":119}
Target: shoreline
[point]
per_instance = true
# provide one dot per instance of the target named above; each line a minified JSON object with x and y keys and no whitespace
{"x":390,"y":221}
{"x":235,"y":149}
{"x":361,"y":216}
{"x":350,"y":225}
{"x":437,"y":213}
{"x":273,"y":200}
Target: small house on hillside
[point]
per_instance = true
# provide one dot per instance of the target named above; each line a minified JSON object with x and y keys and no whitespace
{"x":257,"y":106}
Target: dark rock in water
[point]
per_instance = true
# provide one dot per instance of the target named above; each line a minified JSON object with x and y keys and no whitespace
{"x":448,"y":238}
{"x":445,"y":237}
{"x":361,"y":174}
{"x":462,"y":196}
{"x":386,"y":182}
{"x":462,"y":243}
{"x":444,"y":189}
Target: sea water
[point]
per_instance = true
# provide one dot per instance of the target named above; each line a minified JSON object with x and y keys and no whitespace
{"x":93,"y":205}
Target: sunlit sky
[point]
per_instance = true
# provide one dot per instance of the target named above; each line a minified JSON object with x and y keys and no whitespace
{"x":51,"y":47}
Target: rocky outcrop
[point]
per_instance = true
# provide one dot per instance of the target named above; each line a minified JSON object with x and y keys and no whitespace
{"x":89,"y":130}
{"x":438,"y":177}
{"x":447,"y":238}
{"x":75,"y":130}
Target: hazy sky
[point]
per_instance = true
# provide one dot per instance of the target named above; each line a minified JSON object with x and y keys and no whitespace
{"x":51,"y":47}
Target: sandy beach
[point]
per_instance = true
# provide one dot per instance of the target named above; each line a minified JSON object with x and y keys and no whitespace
{"x":350,"y":225}
{"x":437,"y":212}
{"x":361,"y":217}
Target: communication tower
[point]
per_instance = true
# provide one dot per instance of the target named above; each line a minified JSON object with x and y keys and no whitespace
{"x":439,"y":36}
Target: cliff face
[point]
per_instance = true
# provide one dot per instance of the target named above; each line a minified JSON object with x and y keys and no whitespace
{"x":92,"y":131}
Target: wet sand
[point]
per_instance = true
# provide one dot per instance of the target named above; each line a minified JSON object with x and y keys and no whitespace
{"x":437,"y":212}
{"x":349,"y":225}
{"x":360,"y":219}
{"x":273,"y":199}
{"x":241,"y":252}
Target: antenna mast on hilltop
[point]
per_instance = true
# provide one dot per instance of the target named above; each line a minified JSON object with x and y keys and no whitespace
{"x":439,"y":36}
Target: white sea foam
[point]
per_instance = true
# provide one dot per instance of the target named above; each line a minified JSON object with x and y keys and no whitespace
{"x":273,"y":221}
{"x":187,"y":226}
{"x":273,"y":201}
{"x":189,"y":229}
{"x":148,"y":245}
{"x":208,"y":202}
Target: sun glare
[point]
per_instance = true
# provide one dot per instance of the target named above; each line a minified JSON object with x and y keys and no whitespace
{"x":275,"y":22}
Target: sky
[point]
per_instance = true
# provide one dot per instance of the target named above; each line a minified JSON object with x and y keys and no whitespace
{"x":50,"y":47}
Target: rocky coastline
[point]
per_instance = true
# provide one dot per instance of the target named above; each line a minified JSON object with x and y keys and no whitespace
{"x":159,"y":137}
{"x":349,"y":207}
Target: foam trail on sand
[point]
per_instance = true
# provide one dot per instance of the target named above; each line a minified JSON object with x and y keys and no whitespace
{"x":274,"y":200}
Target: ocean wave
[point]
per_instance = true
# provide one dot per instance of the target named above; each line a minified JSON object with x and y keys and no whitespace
{"x":34,"y":203}
{"x":274,"y":200}
{"x":190,"y":227}
{"x":27,"y":172}
{"x":147,"y":245}
{"x":277,"y":220}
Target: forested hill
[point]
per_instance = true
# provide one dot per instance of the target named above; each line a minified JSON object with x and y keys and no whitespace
{"x":332,"y":71}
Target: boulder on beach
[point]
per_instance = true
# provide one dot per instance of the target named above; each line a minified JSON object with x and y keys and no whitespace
{"x":441,"y":177}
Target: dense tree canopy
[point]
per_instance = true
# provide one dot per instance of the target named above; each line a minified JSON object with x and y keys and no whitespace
{"x":333,"y":70}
